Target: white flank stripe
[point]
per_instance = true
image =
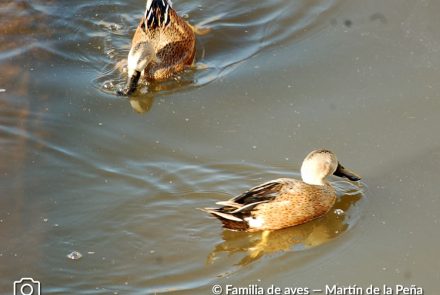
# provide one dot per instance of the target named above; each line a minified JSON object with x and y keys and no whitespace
{"x":255,"y":222}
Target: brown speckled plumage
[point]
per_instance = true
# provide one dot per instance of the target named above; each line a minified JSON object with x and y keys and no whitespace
{"x":285,"y":202}
{"x":174,"y":45}
{"x":162,"y":45}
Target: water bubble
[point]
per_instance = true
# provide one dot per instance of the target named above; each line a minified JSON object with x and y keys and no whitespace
{"x":339,"y":212}
{"x":108,"y":85}
{"x":115,"y":27}
{"x":75,"y":255}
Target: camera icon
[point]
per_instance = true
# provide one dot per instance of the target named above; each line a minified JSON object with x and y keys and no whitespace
{"x":27,"y":286}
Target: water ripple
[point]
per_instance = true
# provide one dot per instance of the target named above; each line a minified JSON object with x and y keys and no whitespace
{"x":238,"y":31}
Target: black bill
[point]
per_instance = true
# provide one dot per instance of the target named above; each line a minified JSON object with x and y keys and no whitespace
{"x":341,"y":171}
{"x":131,"y":85}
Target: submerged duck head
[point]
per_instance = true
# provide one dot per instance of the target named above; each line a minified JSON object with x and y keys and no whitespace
{"x":140,"y":56}
{"x":320,"y":164}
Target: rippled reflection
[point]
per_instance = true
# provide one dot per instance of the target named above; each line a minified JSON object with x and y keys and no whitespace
{"x":229,"y":33}
{"x":142,"y":104}
{"x":253,"y":246}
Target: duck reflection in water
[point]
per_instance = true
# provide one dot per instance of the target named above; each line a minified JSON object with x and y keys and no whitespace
{"x":297,"y":238}
{"x":143,"y":102}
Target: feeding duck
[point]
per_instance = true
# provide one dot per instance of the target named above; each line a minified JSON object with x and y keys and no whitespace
{"x":163,"y":44}
{"x":285,"y":202}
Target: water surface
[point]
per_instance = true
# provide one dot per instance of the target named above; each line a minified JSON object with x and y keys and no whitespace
{"x":82,"y":171}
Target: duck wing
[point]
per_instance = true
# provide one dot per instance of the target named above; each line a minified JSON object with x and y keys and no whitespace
{"x":234,"y":211}
{"x":265,"y":192}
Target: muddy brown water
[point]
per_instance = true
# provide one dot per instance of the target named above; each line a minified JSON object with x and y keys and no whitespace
{"x":119,"y":180}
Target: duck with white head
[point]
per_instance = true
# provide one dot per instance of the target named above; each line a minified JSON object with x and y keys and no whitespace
{"x":285,"y":202}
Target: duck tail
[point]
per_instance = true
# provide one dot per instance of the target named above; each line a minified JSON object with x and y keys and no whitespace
{"x":221,"y":215}
{"x":157,"y":13}
{"x":228,"y":220}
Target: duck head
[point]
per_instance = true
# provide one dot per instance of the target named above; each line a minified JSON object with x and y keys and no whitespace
{"x":139,"y":57}
{"x":320,"y":164}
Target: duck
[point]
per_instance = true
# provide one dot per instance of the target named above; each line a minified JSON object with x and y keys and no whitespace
{"x":285,"y":202}
{"x":163,"y":44}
